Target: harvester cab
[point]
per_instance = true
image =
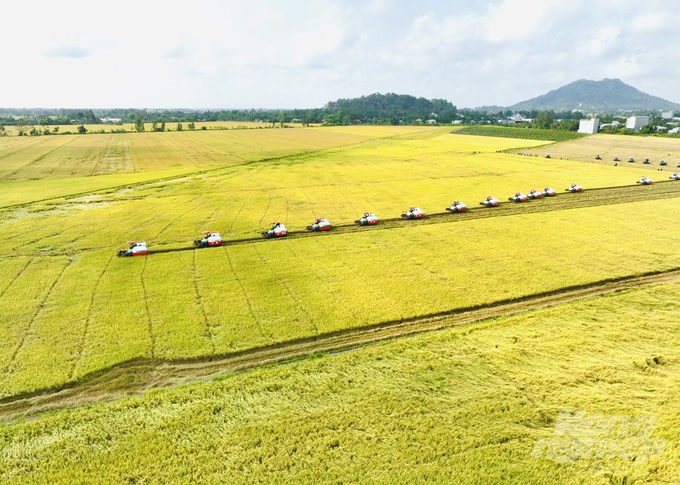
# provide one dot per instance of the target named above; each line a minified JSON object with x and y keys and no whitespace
{"x":645,"y":181}
{"x":518,"y":197}
{"x":368,"y":219}
{"x":490,"y":202}
{"x":573,"y":188}
{"x":277,"y":230}
{"x":535,"y":194}
{"x":456,"y":206}
{"x":548,"y":192}
{"x":675,"y":176}
{"x":210,"y":239}
{"x":413,"y":213}
{"x":321,"y":224}
{"x":135,"y":249}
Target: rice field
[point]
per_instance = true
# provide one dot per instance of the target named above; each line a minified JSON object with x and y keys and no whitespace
{"x":580,"y":393}
{"x":655,"y":148}
{"x":65,"y":289}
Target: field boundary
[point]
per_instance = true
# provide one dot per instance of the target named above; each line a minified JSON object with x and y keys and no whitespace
{"x":139,"y":375}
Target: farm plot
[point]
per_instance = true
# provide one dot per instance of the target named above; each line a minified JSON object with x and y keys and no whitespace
{"x":655,"y":148}
{"x":103,"y":311}
{"x":474,"y":405}
{"x":99,"y":154}
{"x":382,"y":176}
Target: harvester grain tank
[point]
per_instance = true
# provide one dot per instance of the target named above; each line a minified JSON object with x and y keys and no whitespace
{"x":276,"y":230}
{"x":573,"y":188}
{"x":490,"y":202}
{"x":210,"y":239}
{"x":548,"y":192}
{"x":535,"y":194}
{"x":321,"y":224}
{"x":135,"y":249}
{"x":518,"y":197}
{"x":645,"y":181}
{"x":367,"y":219}
{"x":456,"y":206}
{"x":413,"y":213}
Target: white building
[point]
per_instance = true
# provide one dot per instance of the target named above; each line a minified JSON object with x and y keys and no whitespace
{"x":589,"y":126}
{"x":637,"y":122}
{"x":674,"y":131}
{"x":667,"y":115}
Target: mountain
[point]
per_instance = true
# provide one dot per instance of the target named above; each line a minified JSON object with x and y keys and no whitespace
{"x":606,"y":95}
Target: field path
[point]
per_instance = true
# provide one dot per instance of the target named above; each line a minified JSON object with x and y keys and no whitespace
{"x":144,"y":374}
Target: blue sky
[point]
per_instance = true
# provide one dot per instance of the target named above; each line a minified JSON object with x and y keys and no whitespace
{"x":284,"y":54}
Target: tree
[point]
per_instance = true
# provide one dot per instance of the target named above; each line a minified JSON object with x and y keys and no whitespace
{"x":545,"y":119}
{"x":162,"y":125}
{"x":179,"y":126}
{"x":3,"y":132}
{"x":192,"y":126}
{"x":282,"y":118}
{"x":55,"y":129}
{"x":139,"y":125}
{"x":82,"y":130}
{"x":154,"y":126}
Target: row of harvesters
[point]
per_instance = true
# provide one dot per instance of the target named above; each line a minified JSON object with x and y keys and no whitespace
{"x":277,"y":229}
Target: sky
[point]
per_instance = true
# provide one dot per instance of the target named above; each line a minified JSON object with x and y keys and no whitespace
{"x":301,"y":54}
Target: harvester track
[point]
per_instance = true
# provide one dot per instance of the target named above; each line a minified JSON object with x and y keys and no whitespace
{"x":136,"y":376}
{"x":562,"y":201}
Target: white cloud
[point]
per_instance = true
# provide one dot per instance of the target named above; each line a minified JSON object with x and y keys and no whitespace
{"x":268,"y":53}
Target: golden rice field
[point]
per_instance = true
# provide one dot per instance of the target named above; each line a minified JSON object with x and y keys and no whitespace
{"x":65,"y":289}
{"x":656,"y":148}
{"x":581,"y":393}
{"x":460,"y":405}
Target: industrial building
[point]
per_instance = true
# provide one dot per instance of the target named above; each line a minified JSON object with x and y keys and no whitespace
{"x":637,"y":122}
{"x":589,"y":126}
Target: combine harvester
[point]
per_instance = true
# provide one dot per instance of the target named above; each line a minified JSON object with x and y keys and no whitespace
{"x":518,"y":197}
{"x":675,"y":176}
{"x":413,"y":213}
{"x":548,"y":192}
{"x":210,"y":239}
{"x":644,"y":181}
{"x":534,"y":194}
{"x":574,"y":188}
{"x":456,"y":206}
{"x":490,"y":202}
{"x":277,"y":230}
{"x":321,"y":224}
{"x":368,"y":219}
{"x":135,"y":249}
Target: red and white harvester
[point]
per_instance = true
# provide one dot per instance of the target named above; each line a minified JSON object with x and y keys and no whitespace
{"x":490,"y":202}
{"x":518,"y":197}
{"x":368,"y":219}
{"x":413,"y":213}
{"x":210,"y":239}
{"x":535,"y":194}
{"x":456,"y":206}
{"x":277,"y":230}
{"x":321,"y":224}
{"x":675,"y":176}
{"x":645,"y":181}
{"x":574,"y":188}
{"x":548,"y":192}
{"x":135,"y":249}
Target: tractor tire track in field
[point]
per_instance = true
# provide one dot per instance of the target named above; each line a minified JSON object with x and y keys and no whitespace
{"x":258,"y":324}
{"x":14,"y":278}
{"x":142,"y":374}
{"x":149,"y":322}
{"x":209,"y":335}
{"x":291,"y":295}
{"x":83,"y":340}
{"x":34,"y":317}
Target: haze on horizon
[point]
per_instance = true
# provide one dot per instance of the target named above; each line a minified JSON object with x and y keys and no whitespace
{"x":295,"y":54}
